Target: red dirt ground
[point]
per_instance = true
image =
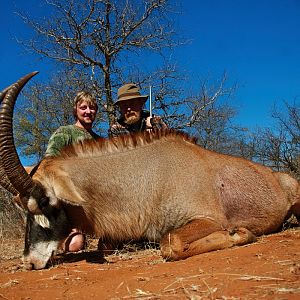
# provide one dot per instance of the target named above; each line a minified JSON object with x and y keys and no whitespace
{"x":267,"y":269}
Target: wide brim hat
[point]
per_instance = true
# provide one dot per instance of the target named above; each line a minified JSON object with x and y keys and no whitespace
{"x":130,"y":91}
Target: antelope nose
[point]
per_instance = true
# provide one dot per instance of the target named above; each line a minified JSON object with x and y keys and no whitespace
{"x":29,"y":266}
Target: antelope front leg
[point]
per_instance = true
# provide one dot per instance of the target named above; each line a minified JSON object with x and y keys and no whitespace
{"x":200,"y":236}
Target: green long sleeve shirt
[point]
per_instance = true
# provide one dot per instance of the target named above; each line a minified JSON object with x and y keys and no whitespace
{"x":67,"y":135}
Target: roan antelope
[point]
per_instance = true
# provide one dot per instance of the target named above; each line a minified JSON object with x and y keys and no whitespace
{"x":159,"y":186}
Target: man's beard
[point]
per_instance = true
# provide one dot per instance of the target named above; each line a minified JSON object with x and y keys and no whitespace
{"x":132,"y":117}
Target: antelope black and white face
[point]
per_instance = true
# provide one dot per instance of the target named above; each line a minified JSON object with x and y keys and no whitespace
{"x":45,"y":232}
{"x":47,"y":224}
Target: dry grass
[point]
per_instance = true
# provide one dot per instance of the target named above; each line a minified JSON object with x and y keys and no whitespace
{"x":11,"y":228}
{"x":126,"y":251}
{"x":290,"y":223}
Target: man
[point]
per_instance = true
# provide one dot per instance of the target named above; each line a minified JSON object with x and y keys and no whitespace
{"x":84,"y":110}
{"x":133,"y":118}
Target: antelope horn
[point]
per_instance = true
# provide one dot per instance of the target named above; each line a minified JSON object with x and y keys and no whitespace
{"x":2,"y":93}
{"x":4,"y":181}
{"x":14,"y":170}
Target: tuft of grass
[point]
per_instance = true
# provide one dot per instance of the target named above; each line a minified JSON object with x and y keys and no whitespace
{"x":290,"y":223}
{"x":120,"y":248}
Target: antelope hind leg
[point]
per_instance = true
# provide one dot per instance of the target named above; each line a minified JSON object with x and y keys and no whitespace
{"x":175,"y":244}
{"x":202,"y":236}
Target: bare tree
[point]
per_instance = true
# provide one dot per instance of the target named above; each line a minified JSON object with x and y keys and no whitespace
{"x":183,"y":106}
{"x":99,"y":36}
{"x":202,"y":104}
{"x":280,"y":147}
{"x":204,"y":111}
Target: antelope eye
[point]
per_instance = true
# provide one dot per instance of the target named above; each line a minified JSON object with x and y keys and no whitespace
{"x":44,"y":202}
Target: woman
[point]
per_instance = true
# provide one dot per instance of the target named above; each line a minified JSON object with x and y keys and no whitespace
{"x":84,"y":111}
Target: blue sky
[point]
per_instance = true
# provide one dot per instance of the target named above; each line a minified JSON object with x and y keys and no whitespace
{"x":257,"y":42}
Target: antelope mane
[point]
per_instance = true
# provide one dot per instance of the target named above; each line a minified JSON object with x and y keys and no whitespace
{"x":101,"y":146}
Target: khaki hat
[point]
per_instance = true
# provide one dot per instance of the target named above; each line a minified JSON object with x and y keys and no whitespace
{"x":130,"y":91}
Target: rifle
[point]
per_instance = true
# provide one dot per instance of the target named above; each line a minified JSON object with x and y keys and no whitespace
{"x":150,"y":100}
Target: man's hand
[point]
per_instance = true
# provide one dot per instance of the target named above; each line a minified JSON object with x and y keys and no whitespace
{"x":117,"y":126}
{"x":148,"y":123}
{"x":155,"y":122}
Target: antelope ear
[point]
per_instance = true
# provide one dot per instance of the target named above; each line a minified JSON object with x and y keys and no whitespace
{"x":65,"y":190}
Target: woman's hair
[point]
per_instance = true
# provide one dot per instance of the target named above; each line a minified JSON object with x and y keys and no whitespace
{"x":84,"y":96}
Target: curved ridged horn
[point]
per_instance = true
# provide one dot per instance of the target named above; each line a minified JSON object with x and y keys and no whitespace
{"x":2,"y":93}
{"x":4,"y":181}
{"x":16,"y":173}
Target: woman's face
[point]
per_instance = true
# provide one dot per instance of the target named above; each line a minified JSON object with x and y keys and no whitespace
{"x":86,"y":113}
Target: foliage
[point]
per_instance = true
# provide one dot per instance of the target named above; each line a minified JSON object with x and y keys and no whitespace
{"x":279,"y":148}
